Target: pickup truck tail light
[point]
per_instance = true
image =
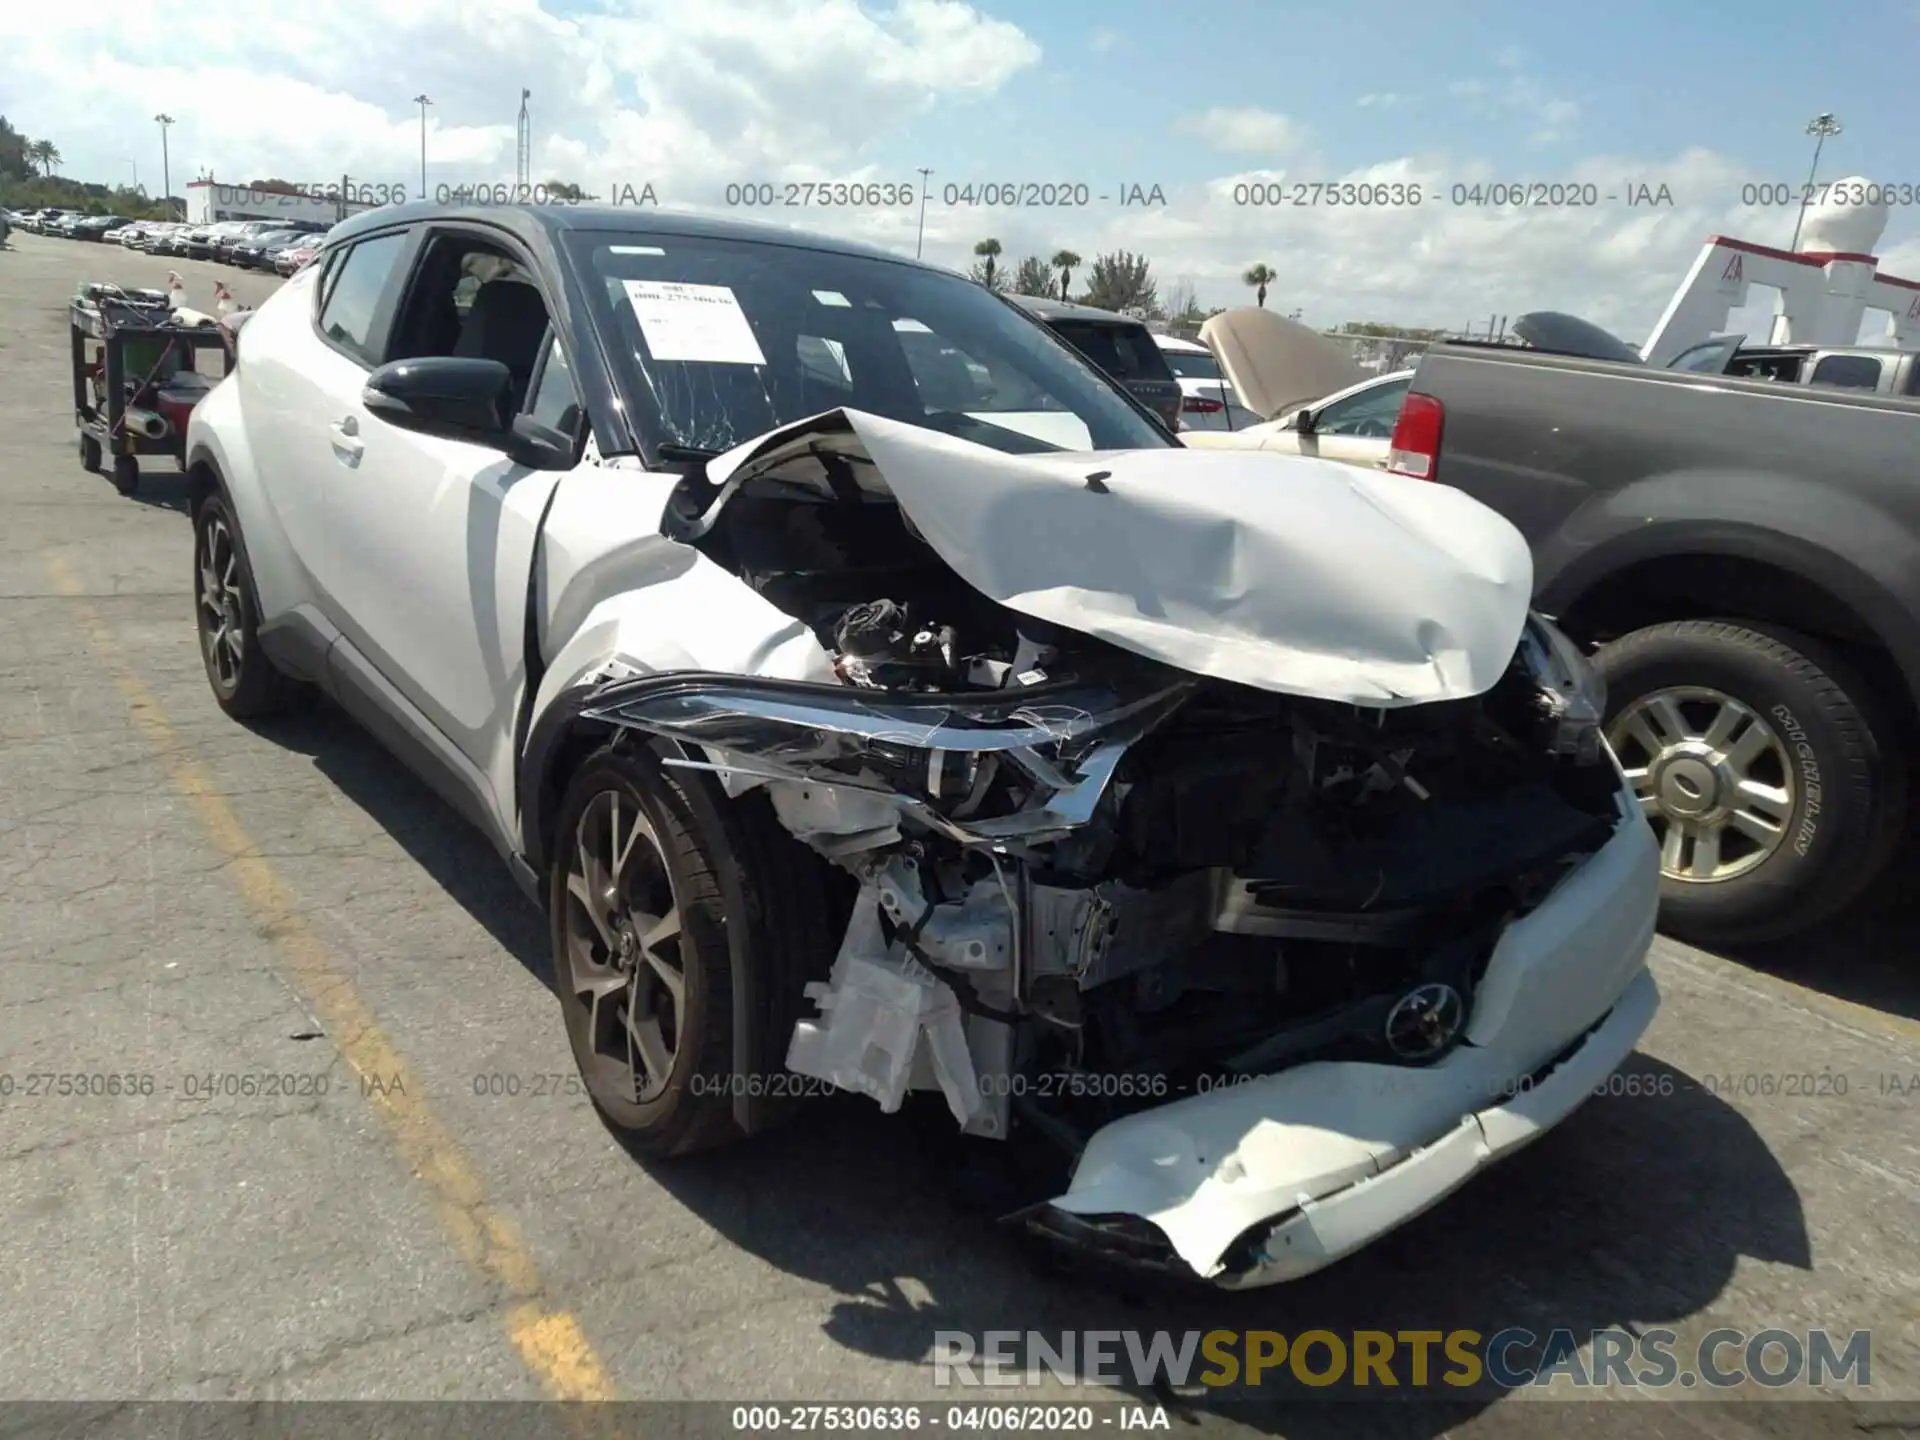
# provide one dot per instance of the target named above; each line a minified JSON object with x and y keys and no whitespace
{"x":1415,"y":448}
{"x":1199,"y":405}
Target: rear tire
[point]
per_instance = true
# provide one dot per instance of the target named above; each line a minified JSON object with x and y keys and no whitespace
{"x":90,"y":454}
{"x":246,"y":684}
{"x":1776,"y":785}
{"x":126,"y":474}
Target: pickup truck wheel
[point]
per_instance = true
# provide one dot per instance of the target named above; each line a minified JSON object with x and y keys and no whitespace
{"x":1760,"y":769}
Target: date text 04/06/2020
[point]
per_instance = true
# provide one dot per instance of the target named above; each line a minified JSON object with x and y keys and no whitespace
{"x":625,"y":192}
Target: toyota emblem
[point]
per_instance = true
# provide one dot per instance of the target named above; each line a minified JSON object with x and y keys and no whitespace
{"x":1425,"y":1021}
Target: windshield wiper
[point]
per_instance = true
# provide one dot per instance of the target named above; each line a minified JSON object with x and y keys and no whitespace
{"x":674,"y":450}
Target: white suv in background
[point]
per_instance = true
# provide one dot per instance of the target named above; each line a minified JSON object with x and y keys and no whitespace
{"x":1207,"y":401}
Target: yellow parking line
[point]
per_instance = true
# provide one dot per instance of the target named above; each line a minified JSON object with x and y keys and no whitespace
{"x":551,"y":1342}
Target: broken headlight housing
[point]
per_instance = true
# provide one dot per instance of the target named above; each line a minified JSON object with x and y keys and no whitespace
{"x":1572,"y":694}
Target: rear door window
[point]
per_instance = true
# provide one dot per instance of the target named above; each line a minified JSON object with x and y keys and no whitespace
{"x":1191,"y":365}
{"x":1855,"y":372}
{"x":356,"y":283}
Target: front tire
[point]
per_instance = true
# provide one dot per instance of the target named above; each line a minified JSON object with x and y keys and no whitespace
{"x":651,"y":878}
{"x":1774,"y":789}
{"x":245,"y":682}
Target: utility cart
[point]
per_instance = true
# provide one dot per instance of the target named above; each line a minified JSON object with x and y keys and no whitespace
{"x":135,"y":377}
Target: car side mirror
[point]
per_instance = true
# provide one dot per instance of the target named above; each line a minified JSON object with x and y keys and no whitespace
{"x":460,"y":399}
{"x":440,"y":395}
{"x":1303,"y":421}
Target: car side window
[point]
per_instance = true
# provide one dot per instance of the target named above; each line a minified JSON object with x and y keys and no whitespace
{"x":1855,"y":372}
{"x":1126,"y":352}
{"x":1370,"y":415}
{"x":1701,"y":359}
{"x":471,"y":299}
{"x":355,"y":284}
{"x":555,"y":402}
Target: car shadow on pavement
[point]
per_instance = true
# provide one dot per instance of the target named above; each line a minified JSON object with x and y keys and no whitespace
{"x":162,"y":486}
{"x":1635,"y":1212}
{"x":458,"y":858}
{"x":1870,"y":954}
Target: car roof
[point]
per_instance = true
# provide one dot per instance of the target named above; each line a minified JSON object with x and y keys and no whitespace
{"x":1174,"y":342}
{"x":1048,"y":309}
{"x":531,"y":223}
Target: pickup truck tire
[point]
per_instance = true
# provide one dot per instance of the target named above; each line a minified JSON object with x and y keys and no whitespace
{"x":1770,"y":742}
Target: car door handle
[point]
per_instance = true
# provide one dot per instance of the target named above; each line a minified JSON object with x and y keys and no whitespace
{"x":346,"y":443}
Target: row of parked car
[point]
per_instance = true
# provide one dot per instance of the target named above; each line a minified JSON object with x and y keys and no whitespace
{"x":69,"y":224}
{"x":282,"y":246}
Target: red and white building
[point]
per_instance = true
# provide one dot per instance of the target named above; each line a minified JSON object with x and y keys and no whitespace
{"x":1826,"y":288}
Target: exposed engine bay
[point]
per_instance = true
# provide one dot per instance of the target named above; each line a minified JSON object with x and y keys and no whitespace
{"x":1090,"y":881}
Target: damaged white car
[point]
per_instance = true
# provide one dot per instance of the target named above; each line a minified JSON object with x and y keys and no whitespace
{"x":878,"y":698}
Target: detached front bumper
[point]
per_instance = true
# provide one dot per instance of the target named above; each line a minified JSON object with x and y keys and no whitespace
{"x":1277,"y":1177}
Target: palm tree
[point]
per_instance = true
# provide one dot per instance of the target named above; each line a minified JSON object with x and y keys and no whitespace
{"x":1065,"y":261}
{"x":1260,"y":277}
{"x":46,"y":153}
{"x":988,"y":251}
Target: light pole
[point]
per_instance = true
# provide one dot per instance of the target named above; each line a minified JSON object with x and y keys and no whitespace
{"x":1820,"y":127}
{"x":422,"y":101}
{"x":920,"y":239}
{"x":166,"y":167}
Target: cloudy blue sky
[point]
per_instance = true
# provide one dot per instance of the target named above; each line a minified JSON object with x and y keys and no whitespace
{"x":1704,"y":97}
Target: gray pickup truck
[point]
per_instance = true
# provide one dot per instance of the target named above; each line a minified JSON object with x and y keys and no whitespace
{"x":1747,"y":556}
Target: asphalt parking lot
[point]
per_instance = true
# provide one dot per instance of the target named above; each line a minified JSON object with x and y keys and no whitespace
{"x":414,"y":1209}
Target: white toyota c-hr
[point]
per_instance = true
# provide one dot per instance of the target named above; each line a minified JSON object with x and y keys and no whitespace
{"x":875,"y":696}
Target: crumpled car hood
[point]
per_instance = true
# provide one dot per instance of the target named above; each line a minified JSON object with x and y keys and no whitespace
{"x":1274,"y":364}
{"x":1299,"y":576}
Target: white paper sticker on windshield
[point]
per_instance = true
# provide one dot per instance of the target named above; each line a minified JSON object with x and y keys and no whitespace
{"x":635,"y":250}
{"x":693,"y":322}
{"x":832,"y":297}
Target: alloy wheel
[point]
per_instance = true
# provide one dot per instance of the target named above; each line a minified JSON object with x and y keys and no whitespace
{"x":624,"y":955}
{"x":222,"y":599}
{"x":1711,"y":775}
